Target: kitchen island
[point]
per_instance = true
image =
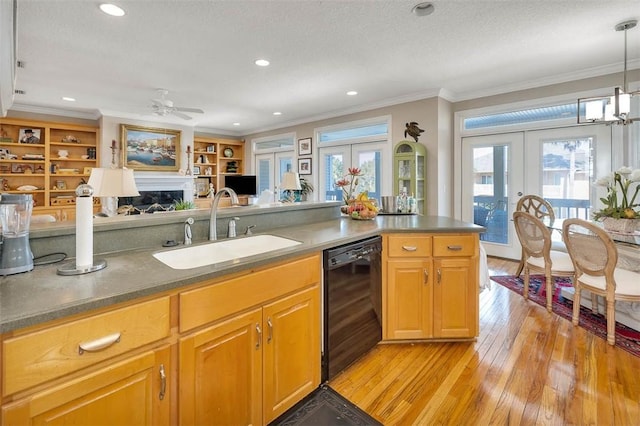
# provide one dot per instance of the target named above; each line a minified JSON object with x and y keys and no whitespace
{"x":176,"y":327}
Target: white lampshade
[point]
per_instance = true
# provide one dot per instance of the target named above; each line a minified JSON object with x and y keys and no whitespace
{"x":290,"y":182}
{"x":113,"y":183}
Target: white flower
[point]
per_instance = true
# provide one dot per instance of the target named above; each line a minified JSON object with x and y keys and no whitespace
{"x":624,"y":170}
{"x":635,"y":176}
{"x":605,"y":181}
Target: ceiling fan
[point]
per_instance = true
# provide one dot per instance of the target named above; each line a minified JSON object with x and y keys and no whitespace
{"x":164,"y":106}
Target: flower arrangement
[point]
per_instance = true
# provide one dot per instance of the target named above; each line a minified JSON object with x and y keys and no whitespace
{"x":618,"y":202}
{"x":350,"y":181}
{"x":360,"y":206}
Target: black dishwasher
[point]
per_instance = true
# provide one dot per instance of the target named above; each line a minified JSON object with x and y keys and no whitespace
{"x":352,"y":303}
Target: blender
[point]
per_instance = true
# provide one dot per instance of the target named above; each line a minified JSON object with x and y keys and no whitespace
{"x":15,"y":215}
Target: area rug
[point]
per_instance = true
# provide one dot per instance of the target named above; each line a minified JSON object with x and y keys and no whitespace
{"x":626,"y":338}
{"x":325,"y":407}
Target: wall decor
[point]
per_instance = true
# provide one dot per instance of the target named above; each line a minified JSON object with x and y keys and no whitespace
{"x":148,"y":148}
{"x":304,"y":166}
{"x":304,"y":146}
{"x":29,"y":136}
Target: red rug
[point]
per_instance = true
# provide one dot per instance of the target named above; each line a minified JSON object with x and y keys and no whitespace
{"x":626,"y":338}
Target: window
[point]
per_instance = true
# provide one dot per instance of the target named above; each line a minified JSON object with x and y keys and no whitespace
{"x":362,"y":144}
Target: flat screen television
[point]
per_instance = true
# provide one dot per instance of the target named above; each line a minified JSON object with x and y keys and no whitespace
{"x":242,"y":185}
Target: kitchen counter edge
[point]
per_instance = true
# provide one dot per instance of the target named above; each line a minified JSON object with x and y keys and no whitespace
{"x":41,"y":295}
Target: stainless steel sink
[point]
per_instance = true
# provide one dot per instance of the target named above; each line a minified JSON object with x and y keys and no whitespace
{"x":222,"y":251}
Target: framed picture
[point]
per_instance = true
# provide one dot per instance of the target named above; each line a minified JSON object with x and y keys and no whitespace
{"x":22,"y":168}
{"x":31,"y":136}
{"x":196,"y":170}
{"x":304,"y":166}
{"x":147,"y":148}
{"x":304,"y":146}
{"x":202,"y":187}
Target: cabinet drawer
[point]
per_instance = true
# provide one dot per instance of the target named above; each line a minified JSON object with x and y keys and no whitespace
{"x":409,"y":245}
{"x":455,"y":245}
{"x":207,"y":304}
{"x":47,"y":354}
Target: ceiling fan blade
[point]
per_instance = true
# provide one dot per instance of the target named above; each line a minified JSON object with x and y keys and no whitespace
{"x":194,"y":110}
{"x":181,"y":115}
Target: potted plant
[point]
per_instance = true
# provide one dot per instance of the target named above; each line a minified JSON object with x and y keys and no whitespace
{"x":307,"y":189}
{"x":184,"y":205}
{"x":619,"y":213}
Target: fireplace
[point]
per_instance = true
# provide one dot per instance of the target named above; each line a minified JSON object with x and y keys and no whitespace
{"x":158,"y":191}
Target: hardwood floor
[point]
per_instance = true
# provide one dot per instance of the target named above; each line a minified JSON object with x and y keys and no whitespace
{"x":526,"y":367}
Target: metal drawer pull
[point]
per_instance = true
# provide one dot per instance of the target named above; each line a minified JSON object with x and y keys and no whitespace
{"x":426,"y":275}
{"x":163,"y":382}
{"x":439,"y":276}
{"x":270,"y":335}
{"x":99,"y":344}
{"x":454,"y":248}
{"x":409,"y":248}
{"x":259,"y":331}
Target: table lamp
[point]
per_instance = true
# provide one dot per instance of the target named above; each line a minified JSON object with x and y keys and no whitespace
{"x":112,"y":182}
{"x":290,"y":183}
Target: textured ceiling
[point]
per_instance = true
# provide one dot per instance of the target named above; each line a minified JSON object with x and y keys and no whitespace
{"x":203,"y":51}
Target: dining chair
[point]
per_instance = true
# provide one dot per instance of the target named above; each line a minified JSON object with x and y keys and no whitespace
{"x":535,"y":239}
{"x":594,"y":256}
{"x":542,"y":209}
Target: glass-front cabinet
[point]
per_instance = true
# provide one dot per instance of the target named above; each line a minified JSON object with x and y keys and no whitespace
{"x":409,"y":171}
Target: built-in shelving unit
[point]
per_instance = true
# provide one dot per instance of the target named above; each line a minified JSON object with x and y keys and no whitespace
{"x":213,"y":159}
{"x":51,"y":167}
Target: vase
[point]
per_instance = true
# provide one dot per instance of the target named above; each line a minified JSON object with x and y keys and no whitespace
{"x":625,"y":226}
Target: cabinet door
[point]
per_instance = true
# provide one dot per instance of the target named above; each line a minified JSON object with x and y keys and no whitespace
{"x":455,"y":297}
{"x":409,"y":299}
{"x":221,"y":373}
{"x":291,"y":351}
{"x":127,"y":393}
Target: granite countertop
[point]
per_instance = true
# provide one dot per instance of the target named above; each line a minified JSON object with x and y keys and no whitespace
{"x":41,"y":295}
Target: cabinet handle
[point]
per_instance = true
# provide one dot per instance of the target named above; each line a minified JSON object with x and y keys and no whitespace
{"x":426,"y":275}
{"x":409,"y":248}
{"x":439,"y":275}
{"x":454,"y":248}
{"x":270,"y":335}
{"x":259,"y":332}
{"x":98,"y":344}
{"x":163,"y":382}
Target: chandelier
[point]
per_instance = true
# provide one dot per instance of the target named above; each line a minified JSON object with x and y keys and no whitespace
{"x":609,"y":109}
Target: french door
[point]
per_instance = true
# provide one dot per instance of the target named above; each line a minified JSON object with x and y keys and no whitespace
{"x":369,"y":157}
{"x":269,"y":169}
{"x":492,"y":173}
{"x":557,"y":164}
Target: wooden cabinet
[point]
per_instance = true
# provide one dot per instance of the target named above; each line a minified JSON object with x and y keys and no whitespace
{"x":129,"y":392}
{"x":107,"y":368}
{"x":215,"y":158}
{"x":409,"y":171}
{"x":49,"y":167}
{"x":431,"y":287}
{"x":258,"y":354}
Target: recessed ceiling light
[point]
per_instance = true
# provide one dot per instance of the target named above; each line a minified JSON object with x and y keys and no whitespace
{"x":236,"y":124}
{"x":423,"y":9}
{"x":111,"y":9}
{"x":352,"y":93}
{"x":262,"y":62}
{"x":277,"y":113}
{"x":66,"y":98}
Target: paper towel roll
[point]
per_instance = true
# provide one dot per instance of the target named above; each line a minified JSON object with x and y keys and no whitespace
{"x":84,"y":232}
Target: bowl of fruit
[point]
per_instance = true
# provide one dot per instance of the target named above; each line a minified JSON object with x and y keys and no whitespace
{"x":363,"y":207}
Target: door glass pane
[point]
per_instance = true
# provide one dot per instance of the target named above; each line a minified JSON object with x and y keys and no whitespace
{"x":567,"y":170}
{"x":490,"y":199}
{"x":264,"y":175}
{"x":334,"y":171}
{"x":369,"y":164}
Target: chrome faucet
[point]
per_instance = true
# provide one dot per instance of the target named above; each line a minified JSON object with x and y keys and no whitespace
{"x":213,"y":220}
